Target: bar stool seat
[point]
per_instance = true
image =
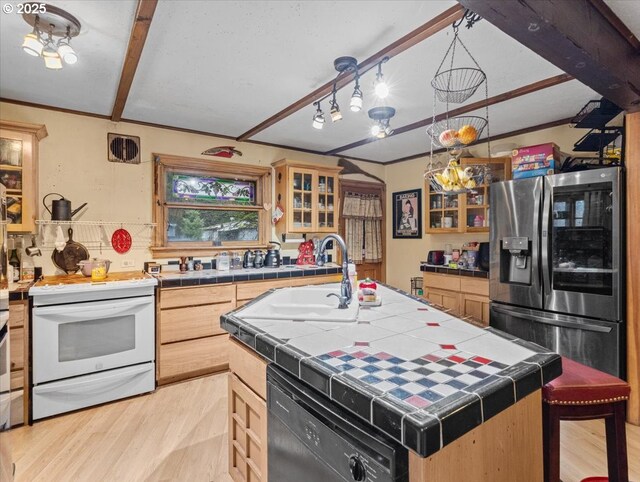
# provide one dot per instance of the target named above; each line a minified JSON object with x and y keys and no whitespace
{"x":584,"y":393}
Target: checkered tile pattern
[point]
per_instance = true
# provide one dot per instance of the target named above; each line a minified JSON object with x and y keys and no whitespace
{"x":419,"y":382}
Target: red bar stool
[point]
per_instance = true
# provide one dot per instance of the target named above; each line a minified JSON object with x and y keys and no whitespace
{"x":584,"y":393}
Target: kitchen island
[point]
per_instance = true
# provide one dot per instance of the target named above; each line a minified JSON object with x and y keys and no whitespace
{"x":464,"y":400}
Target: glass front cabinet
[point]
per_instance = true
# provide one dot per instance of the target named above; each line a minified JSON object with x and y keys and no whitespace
{"x":469,"y":212}
{"x":308,"y":194}
{"x":19,"y":172}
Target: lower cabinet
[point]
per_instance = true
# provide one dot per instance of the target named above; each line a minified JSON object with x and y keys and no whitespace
{"x":190,"y":341}
{"x":465,"y":297}
{"x":247,"y":415}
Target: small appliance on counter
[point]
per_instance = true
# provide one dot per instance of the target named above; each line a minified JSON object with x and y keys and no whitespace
{"x":247,"y":259}
{"x":258,"y":260}
{"x":435,"y":257}
{"x":484,"y":256}
{"x":272,"y":259}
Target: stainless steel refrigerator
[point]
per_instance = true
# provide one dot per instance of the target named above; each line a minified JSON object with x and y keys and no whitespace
{"x":6,"y":465}
{"x":557,"y":264}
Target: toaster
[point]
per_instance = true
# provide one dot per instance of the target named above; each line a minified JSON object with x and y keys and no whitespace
{"x":435,"y":257}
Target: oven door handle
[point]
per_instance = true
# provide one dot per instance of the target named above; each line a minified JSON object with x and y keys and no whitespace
{"x":95,"y":311}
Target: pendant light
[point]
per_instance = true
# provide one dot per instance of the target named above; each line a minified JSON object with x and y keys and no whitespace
{"x":318,"y":118}
{"x":336,"y":115}
{"x":356,"y":97}
{"x":380,"y":86}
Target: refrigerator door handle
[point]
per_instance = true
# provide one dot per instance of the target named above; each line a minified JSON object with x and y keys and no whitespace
{"x":546,"y":237}
{"x":549,"y":321}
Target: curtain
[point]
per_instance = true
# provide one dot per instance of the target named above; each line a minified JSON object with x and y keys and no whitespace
{"x":363,"y":227}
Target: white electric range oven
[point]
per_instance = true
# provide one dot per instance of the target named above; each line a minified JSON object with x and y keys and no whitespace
{"x":92,"y":343}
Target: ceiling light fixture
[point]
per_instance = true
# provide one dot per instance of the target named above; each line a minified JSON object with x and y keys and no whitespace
{"x":318,"y":118}
{"x":380,"y":86}
{"x":356,"y":97}
{"x":381,"y":116}
{"x":336,"y":115}
{"x":58,"y":23}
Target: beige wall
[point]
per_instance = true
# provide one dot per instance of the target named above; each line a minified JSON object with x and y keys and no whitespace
{"x":404,"y":255}
{"x":73,"y":162}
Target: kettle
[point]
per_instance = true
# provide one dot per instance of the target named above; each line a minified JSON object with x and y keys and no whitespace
{"x":258,"y":261}
{"x":272,"y":259}
{"x":247,"y":260}
{"x":60,"y":208}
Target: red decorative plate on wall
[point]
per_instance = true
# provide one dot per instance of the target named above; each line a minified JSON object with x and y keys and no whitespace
{"x":121,"y":241}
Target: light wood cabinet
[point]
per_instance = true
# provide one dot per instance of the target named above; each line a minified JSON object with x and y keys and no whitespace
{"x":464,"y":296}
{"x":469,"y":212}
{"x":19,"y":172}
{"x":19,"y":379}
{"x":247,"y":414}
{"x":309,"y":196}
{"x":190,"y":341}
{"x":247,"y":433}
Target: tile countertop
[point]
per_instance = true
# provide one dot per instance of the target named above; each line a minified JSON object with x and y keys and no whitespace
{"x":419,"y":375}
{"x":172,"y":279}
{"x":433,"y":268}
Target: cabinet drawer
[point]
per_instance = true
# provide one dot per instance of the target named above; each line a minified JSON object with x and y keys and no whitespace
{"x":442,"y":281}
{"x":17,"y":379}
{"x":193,"y":358}
{"x":179,"y":324}
{"x":249,"y":367}
{"x":17,"y":314}
{"x":16,"y":338}
{"x":476,"y":286}
{"x":203,"y":295}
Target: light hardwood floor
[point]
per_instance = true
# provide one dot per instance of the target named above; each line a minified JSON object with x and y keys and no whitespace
{"x":179,"y":433}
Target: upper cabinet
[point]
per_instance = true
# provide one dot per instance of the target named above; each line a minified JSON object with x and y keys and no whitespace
{"x":309,"y":196}
{"x":465,"y":213}
{"x":19,"y":172}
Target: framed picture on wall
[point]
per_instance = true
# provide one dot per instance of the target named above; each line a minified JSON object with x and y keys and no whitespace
{"x":407,"y":214}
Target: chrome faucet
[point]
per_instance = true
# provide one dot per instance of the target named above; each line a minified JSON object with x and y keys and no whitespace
{"x":345,"y":284}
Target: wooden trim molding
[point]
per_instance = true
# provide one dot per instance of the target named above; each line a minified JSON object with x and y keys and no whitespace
{"x":433,"y":26}
{"x":632,"y":164}
{"x":575,"y":37}
{"x":38,"y":130}
{"x":139,"y":31}
{"x":496,"y":99}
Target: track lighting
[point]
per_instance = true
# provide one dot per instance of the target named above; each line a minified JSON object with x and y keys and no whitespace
{"x":381,"y":115}
{"x":356,"y":97}
{"x":381,"y":88}
{"x":318,"y":118}
{"x":59,"y":23}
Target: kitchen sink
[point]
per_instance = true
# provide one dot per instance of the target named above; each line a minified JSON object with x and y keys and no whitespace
{"x":302,"y":304}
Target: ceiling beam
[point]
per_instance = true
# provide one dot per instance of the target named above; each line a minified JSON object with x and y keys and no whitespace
{"x":433,"y":26}
{"x":496,"y":99}
{"x":139,"y":31}
{"x":574,"y":36}
{"x":519,"y":132}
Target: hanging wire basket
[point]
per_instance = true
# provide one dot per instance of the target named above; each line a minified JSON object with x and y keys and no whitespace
{"x":457,"y":85}
{"x":455,"y":179}
{"x":457,"y":132}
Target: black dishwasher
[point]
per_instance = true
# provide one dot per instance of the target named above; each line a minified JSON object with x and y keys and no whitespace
{"x":311,"y":439}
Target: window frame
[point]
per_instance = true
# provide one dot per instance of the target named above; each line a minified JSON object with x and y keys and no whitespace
{"x":164,"y":163}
